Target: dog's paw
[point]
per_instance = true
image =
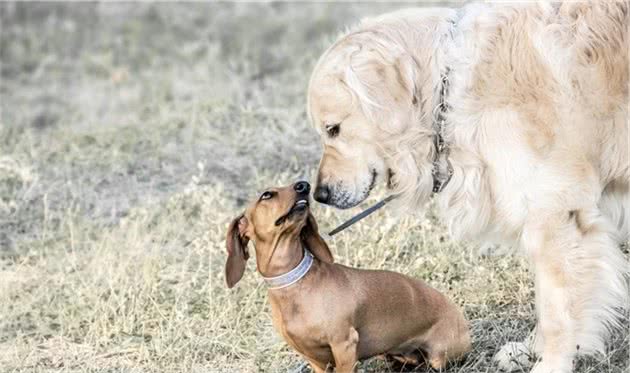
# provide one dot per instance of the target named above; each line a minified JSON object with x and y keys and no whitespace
{"x":514,"y":356}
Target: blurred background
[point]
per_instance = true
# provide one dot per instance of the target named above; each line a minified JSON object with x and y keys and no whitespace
{"x":130,"y":134}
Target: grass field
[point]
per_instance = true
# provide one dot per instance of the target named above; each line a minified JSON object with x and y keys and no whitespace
{"x":130,"y":135}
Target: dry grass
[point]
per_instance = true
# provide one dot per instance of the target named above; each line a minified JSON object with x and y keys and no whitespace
{"x":130,"y":135}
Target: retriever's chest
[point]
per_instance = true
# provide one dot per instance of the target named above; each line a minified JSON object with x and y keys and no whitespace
{"x":520,"y":127}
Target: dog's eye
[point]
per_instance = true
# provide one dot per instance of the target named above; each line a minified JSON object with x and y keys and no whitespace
{"x":332,"y":129}
{"x":266,"y":195}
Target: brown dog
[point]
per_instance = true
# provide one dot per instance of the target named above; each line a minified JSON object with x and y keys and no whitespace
{"x":332,"y":314}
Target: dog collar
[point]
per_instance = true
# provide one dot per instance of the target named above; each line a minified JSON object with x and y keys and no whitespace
{"x":442,"y":168}
{"x":293,"y":276}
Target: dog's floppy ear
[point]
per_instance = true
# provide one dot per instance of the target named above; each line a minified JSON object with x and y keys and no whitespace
{"x":236,"y":243}
{"x":314,"y":242}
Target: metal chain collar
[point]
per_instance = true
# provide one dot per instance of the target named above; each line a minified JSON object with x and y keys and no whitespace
{"x":442,"y":168}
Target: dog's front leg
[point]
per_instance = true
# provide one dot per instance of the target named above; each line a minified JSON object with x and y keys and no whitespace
{"x":344,"y":350}
{"x":555,"y":323}
{"x":579,"y":283}
{"x":317,"y":367}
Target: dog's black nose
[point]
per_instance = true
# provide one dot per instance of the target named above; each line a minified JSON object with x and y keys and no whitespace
{"x":302,"y":187}
{"x":322,"y":193}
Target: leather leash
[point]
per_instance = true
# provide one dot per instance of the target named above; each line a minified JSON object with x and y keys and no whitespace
{"x":359,"y":216}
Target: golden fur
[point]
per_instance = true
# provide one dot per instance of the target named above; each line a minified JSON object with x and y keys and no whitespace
{"x":337,"y":315}
{"x":538,"y":136}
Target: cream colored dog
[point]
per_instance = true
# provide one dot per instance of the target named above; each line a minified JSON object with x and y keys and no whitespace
{"x":531,"y":103}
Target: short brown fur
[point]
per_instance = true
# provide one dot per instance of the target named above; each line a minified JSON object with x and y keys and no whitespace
{"x":337,"y":315}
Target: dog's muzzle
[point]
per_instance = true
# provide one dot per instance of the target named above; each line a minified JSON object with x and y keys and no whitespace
{"x":302,"y":188}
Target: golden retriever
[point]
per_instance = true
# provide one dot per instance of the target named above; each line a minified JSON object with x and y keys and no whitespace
{"x":531,"y":103}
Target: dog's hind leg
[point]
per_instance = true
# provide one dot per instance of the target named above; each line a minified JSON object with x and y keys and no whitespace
{"x":581,"y":283}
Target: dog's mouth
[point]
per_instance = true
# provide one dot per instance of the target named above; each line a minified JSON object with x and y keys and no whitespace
{"x":300,"y":206}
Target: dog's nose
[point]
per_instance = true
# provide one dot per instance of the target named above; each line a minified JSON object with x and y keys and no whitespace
{"x":322,"y":193}
{"x":302,"y":187}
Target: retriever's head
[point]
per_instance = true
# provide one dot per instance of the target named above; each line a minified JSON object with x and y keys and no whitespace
{"x":371,"y":102}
